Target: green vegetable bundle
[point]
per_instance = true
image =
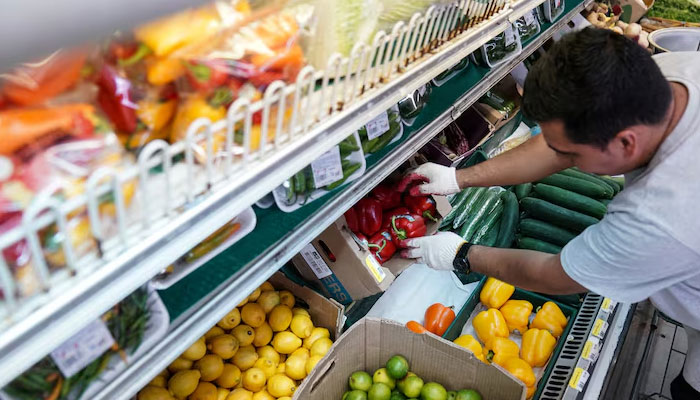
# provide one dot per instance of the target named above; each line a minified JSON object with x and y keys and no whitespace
{"x":679,"y":10}
{"x":378,"y":143}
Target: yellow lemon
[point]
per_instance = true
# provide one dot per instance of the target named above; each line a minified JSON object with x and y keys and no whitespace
{"x":268,"y":300}
{"x":284,"y":398}
{"x":245,"y":357}
{"x":301,"y":326}
{"x":300,"y":311}
{"x":183,"y":383}
{"x":281,"y":369}
{"x":311,"y":363}
{"x":286,"y":342}
{"x":280,"y":317}
{"x":267,"y":366}
{"x":321,"y":346}
{"x":263,"y":395}
{"x":244,"y":333}
{"x":179,"y":364}
{"x":301,"y":352}
{"x":263,"y":335}
{"x":266,"y":286}
{"x":254,"y":379}
{"x":269,"y":353}
{"x":230,"y":320}
{"x":214,"y":331}
{"x":253,"y":315}
{"x":295,"y":367}
{"x":196,"y":351}
{"x":204,"y":391}
{"x":225,"y":346}
{"x":240,"y":394}
{"x":281,"y":385}
{"x":159,"y":381}
{"x":242,"y":303}
{"x":287,"y":298}
{"x":222,"y":393}
{"x":230,"y":377}
{"x":316,"y":334}
{"x":210,"y":366}
{"x":254,"y":296}
{"x":154,"y":393}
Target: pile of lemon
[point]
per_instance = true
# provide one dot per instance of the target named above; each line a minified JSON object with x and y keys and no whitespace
{"x":261,"y":350}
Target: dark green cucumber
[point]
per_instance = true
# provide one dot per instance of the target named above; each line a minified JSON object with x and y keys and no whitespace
{"x":538,"y":245}
{"x":491,"y":236}
{"x":545,"y":231}
{"x":488,"y":223}
{"x":458,"y":197}
{"x":491,"y":201}
{"x":613,"y":183}
{"x":570,"y":200}
{"x":578,"y":185}
{"x":474,"y":199}
{"x":457,"y":201}
{"x":605,"y":201}
{"x":522,"y":190}
{"x":557,"y":215}
{"x":576,"y":173}
{"x":509,"y":220}
{"x":620,"y":181}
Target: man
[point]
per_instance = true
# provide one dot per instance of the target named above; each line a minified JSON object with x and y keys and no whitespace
{"x":606,"y":106}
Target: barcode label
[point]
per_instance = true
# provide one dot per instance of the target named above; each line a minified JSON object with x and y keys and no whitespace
{"x":530,"y":18}
{"x":579,"y":379}
{"x":510,"y":35}
{"x":591,"y":349}
{"x":82,"y":348}
{"x":327,"y":168}
{"x":599,"y":328}
{"x":608,"y":305}
{"x":375,"y":268}
{"x":316,"y":263}
{"x":378,"y":126}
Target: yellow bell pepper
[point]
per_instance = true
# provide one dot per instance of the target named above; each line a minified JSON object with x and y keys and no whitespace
{"x":170,"y":33}
{"x":517,"y":314}
{"x":550,"y":317}
{"x":495,"y":293}
{"x":156,"y":114}
{"x":489,"y":324}
{"x":537,"y":347}
{"x":499,"y":349}
{"x":522,"y":371}
{"x":160,"y":71}
{"x":189,"y":110}
{"x":471,"y":344}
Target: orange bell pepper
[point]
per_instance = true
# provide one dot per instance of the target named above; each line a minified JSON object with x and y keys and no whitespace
{"x":499,"y":349}
{"x":471,"y":344}
{"x":438,"y":318}
{"x":156,"y":114}
{"x":160,"y":71}
{"x":189,"y":110}
{"x":537,"y":347}
{"x":495,"y":293}
{"x":293,"y":57}
{"x":521,"y":370}
{"x":517,"y":314}
{"x":167,"y":34}
{"x":416,"y":327}
{"x":490,"y":324}
{"x":550,"y":317}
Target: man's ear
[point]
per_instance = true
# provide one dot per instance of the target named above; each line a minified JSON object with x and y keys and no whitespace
{"x":627,"y":142}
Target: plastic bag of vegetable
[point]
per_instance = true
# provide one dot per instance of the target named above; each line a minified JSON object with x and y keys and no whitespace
{"x":528,"y":26}
{"x":501,"y":48}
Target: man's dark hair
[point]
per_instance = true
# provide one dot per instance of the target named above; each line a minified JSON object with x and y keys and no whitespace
{"x":598,"y":83}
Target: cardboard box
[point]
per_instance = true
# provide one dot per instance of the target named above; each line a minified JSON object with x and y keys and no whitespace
{"x":367,"y":346}
{"x":326,"y":313}
{"x":352,"y":272}
{"x":634,"y":10}
{"x":508,"y":88}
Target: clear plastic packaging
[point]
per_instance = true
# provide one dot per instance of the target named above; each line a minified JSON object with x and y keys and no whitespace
{"x":500,"y":49}
{"x":528,"y":26}
{"x":553,"y":9}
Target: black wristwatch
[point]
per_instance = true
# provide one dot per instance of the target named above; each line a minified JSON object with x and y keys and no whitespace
{"x":461,"y":262}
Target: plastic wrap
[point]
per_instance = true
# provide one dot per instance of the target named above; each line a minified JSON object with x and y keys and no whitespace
{"x":500,"y":49}
{"x":394,"y":11}
{"x":528,"y":26}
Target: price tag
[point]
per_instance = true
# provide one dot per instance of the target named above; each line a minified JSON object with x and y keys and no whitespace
{"x":82,"y":348}
{"x":510,"y":35}
{"x":375,"y":268}
{"x":608,"y":305}
{"x":530,"y":18}
{"x":591,"y":349}
{"x":318,"y":266}
{"x":579,"y":379}
{"x":327,"y":168}
{"x":557,"y":4}
{"x":378,"y":126}
{"x":599,"y":328}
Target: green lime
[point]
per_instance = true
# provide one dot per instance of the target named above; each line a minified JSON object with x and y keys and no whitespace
{"x":379,"y":391}
{"x":397,"y":367}
{"x":360,"y":380}
{"x":355,"y":395}
{"x":400,"y":383}
{"x":433,"y":391}
{"x":412,"y":386}
{"x":397,"y":395}
{"x":468,"y":394}
{"x":451,"y":395}
{"x":381,"y":376}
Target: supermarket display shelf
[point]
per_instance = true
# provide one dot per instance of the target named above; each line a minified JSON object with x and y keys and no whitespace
{"x":201,"y":299}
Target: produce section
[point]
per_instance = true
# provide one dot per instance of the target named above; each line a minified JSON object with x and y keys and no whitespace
{"x":328,"y":137}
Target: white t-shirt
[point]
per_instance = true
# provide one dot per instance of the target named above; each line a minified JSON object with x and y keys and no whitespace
{"x":648,"y":244}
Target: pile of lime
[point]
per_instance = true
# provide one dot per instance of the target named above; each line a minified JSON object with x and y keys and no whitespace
{"x":396,"y":382}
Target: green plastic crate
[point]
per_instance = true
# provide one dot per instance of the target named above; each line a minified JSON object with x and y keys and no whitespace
{"x":537,"y":301}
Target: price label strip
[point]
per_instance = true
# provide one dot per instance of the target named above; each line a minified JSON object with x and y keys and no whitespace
{"x":318,"y":266}
{"x":378,"y":126}
{"x":327,"y":168}
{"x":591,"y":349}
{"x":375,"y":268}
{"x":608,"y":305}
{"x":530,"y":17}
{"x":599,"y":328}
{"x":82,"y":348}
{"x":510,"y":35}
{"x":557,"y":4}
{"x":579,"y":379}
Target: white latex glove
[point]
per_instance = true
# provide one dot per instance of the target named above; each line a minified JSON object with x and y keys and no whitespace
{"x":437,"y":251}
{"x":437,"y":179}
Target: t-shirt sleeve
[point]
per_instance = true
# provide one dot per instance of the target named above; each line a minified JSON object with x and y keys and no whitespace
{"x":627,"y":258}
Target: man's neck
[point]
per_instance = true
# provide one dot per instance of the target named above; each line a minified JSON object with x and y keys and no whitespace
{"x":679,"y":103}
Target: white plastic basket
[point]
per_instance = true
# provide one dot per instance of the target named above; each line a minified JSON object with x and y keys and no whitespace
{"x":551,"y":14}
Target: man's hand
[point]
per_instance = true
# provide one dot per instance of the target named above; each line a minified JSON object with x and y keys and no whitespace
{"x":437,"y":251}
{"x":437,"y":179}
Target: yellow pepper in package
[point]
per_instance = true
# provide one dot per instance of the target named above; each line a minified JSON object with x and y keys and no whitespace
{"x":537,"y":347}
{"x":156,"y":114}
{"x":517,"y":314}
{"x":490,"y":324}
{"x":195,"y":106}
{"x":550,"y":318}
{"x":495,"y":293}
{"x":168,"y":34}
{"x":522,"y":371}
{"x":500,"y":349}
{"x":471,"y":344}
{"x":160,"y":71}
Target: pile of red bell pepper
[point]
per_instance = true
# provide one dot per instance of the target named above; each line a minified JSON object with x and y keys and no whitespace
{"x":386,"y":217}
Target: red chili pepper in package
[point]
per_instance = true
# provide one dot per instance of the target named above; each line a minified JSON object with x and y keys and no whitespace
{"x":351,"y":220}
{"x":422,"y":205}
{"x":206,"y":75}
{"x":387,"y":195}
{"x":369,"y":216}
{"x":382,"y":246}
{"x":407,"y":226}
{"x":115,"y":97}
{"x":386,"y":220}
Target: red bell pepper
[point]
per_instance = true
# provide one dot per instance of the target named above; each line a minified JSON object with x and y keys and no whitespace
{"x":369,"y":215}
{"x":387,"y":195}
{"x":382,"y":246}
{"x":206,"y":75}
{"x":386,"y":220}
{"x":351,"y":220}
{"x":407,"y":226}
{"x":115,"y":97}
{"x":422,"y":205}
